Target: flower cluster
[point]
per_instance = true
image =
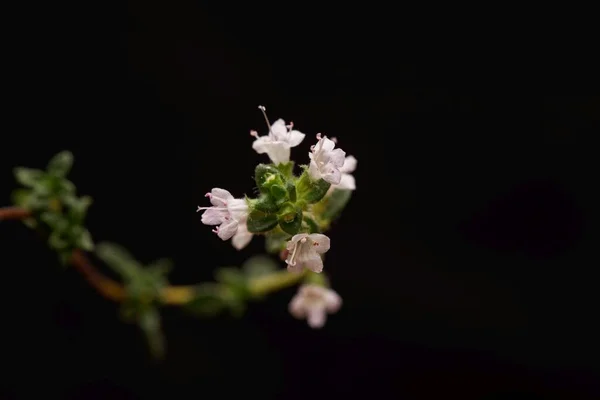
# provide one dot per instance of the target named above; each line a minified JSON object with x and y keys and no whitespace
{"x":291,"y":211}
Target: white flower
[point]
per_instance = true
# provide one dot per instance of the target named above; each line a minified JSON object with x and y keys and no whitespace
{"x":325,"y":162}
{"x":242,"y":237}
{"x":347,"y":182}
{"x":226,"y":212}
{"x":304,"y":251}
{"x":313,"y":302}
{"x":278,"y":142}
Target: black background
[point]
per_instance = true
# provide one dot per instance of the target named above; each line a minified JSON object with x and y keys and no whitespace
{"x":464,"y":258}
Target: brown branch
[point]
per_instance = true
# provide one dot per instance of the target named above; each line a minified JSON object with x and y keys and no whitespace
{"x":107,"y":287}
{"x":12,"y":213}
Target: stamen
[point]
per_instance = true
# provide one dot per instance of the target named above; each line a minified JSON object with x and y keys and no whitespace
{"x":254,"y":133}
{"x":216,"y":230}
{"x":292,"y":258}
{"x":209,"y":195}
{"x":264,"y":112}
{"x":318,"y":136}
{"x":334,"y":140}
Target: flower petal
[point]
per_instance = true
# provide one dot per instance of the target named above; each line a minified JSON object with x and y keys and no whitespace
{"x":261,"y":144}
{"x":278,"y":152}
{"x":295,"y":239}
{"x":295,"y":138}
{"x":227,"y":229}
{"x":238,"y":209}
{"x":337,"y":157}
{"x":327,"y":144}
{"x":347,"y":182}
{"x":279,"y":130}
{"x":331,"y":174}
{"x":313,"y":170}
{"x":219,"y":197}
{"x":323,"y":242}
{"x":297,"y":307}
{"x":313,"y":263}
{"x":316,"y":317}
{"x":212,"y":216}
{"x":242,"y":237}
{"x":333,"y":301}
{"x":349,"y":164}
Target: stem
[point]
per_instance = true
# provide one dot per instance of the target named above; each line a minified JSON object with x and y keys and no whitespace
{"x":14,"y":213}
{"x":107,"y":287}
{"x":274,"y":282}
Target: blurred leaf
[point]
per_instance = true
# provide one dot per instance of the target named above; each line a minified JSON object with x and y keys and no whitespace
{"x":78,"y":207}
{"x":56,"y":241}
{"x":161,"y":267}
{"x":119,"y":259}
{"x":149,"y":322}
{"x":19,"y":197}
{"x":60,"y":164}
{"x":336,"y":203}
{"x":51,"y":219}
{"x":207,"y":300}
{"x":259,"y":266}
{"x":311,"y":224}
{"x":85,"y":241}
{"x":275,"y":241}
{"x":234,"y":279}
{"x":67,"y":187}
{"x":28,"y":176}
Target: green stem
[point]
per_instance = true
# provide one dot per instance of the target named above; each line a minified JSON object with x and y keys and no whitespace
{"x":274,"y":282}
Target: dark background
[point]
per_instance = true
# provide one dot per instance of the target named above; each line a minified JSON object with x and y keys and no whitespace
{"x":464,"y":258}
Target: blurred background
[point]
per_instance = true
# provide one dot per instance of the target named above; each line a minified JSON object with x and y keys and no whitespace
{"x":465,"y":258}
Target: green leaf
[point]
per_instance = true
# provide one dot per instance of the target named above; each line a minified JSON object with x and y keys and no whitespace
{"x":336,"y":203}
{"x":266,"y":176}
{"x":291,"y":190}
{"x":278,"y":193}
{"x":60,"y":164}
{"x":275,"y":241}
{"x":56,"y":241}
{"x":234,"y":279}
{"x":311,"y":224}
{"x":149,"y":322}
{"x":85,"y":241}
{"x":309,"y":190}
{"x":261,"y":222}
{"x":28,"y":176}
{"x":19,"y":197}
{"x":264,"y":203}
{"x":51,"y":219}
{"x":258,"y":266}
{"x":290,"y":220}
{"x":78,"y":208}
{"x":286,"y":169}
{"x":119,"y":259}
{"x":160,"y":268}
{"x":207,"y":300}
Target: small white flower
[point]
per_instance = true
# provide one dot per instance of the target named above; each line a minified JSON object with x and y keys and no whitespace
{"x":347,"y":182}
{"x":279,"y":141}
{"x":325,"y":162}
{"x":304,"y":251}
{"x":227,"y":212}
{"x":242,"y":237}
{"x":313,"y":302}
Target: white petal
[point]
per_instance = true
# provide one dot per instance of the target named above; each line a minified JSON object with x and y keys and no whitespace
{"x":213,"y":217}
{"x":294,"y":268}
{"x":314,"y":263}
{"x":313,"y":171}
{"x":323,"y":242}
{"x":220,"y":196}
{"x":279,"y":130}
{"x":295,"y":239}
{"x":297,"y":307}
{"x":331,"y":174}
{"x":238,"y":209}
{"x":349,"y":164}
{"x":337,"y":157}
{"x":227,"y":229}
{"x":333,"y":301}
{"x":295,"y":138}
{"x":316,"y":318}
{"x":278,"y":152}
{"x":327,"y":144}
{"x":347,"y":182}
{"x":261,"y":144}
{"x":241,"y":238}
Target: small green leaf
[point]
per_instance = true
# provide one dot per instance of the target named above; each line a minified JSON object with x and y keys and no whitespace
{"x":119,"y":259}
{"x":291,"y":190}
{"x":85,"y":241}
{"x":309,"y":190}
{"x":286,"y":169}
{"x":264,"y":203}
{"x":336,"y":203}
{"x":56,"y":241}
{"x":259,"y":222}
{"x":259,"y":266}
{"x":161,"y":267}
{"x":207,"y":300}
{"x":51,"y":219}
{"x":266,"y":176}
{"x":275,"y":241}
{"x":60,"y":164}
{"x":234,"y":279}
{"x":78,"y":208}
{"x":290,"y":220}
{"x":28,"y":176}
{"x":19,"y":197}
{"x":149,"y":322}
{"x":311,"y":224}
{"x":278,"y":193}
